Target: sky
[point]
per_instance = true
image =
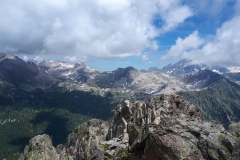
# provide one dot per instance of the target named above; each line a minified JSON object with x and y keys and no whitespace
{"x":108,"y":34}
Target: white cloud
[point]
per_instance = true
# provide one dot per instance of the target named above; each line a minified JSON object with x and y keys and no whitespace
{"x":175,"y":16}
{"x":38,"y":58}
{"x":75,"y":58}
{"x":154,"y":46}
{"x":25,"y":58}
{"x":182,"y":46}
{"x":222,"y":49}
{"x":94,"y":29}
{"x":145,"y":57}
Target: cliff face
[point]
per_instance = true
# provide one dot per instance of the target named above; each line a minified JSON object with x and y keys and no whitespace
{"x":165,"y":127}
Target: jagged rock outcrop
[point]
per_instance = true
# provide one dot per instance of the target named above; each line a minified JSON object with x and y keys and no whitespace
{"x":234,"y":146}
{"x":165,"y":127}
{"x":40,"y":147}
{"x":83,"y":143}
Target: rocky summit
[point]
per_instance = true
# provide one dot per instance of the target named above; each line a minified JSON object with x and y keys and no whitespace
{"x":165,"y":127}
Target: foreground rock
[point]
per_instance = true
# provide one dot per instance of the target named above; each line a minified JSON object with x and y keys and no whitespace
{"x":83,"y":143}
{"x":165,"y":127}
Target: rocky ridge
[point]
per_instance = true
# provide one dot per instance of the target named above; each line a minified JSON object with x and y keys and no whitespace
{"x":77,"y":73}
{"x":165,"y":127}
{"x":16,"y":73}
{"x":185,"y":66}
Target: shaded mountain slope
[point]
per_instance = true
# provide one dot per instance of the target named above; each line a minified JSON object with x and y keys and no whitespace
{"x":202,"y":79}
{"x":16,"y":72}
{"x":78,"y":73}
{"x":185,"y":66}
{"x":219,"y":101}
{"x":122,"y":77}
{"x":235,"y":77}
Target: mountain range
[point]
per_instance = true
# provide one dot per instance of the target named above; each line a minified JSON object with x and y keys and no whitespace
{"x":35,"y":97}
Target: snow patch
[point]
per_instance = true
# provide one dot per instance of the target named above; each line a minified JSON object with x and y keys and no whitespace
{"x":234,"y":69}
{"x":166,"y":75}
{"x":216,"y":71}
{"x":195,"y":69}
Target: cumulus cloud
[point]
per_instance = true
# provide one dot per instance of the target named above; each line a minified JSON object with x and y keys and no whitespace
{"x":223,"y":48}
{"x":175,"y":16}
{"x":38,"y":58}
{"x":25,"y":58}
{"x":91,"y":29}
{"x":75,"y":58}
{"x":154,"y":46}
{"x":182,"y":46}
{"x":145,"y":57}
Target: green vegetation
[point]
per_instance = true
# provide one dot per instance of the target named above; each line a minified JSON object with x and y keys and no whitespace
{"x":56,"y":113}
{"x":103,"y":146}
{"x":219,"y":102}
{"x":23,"y":123}
{"x":30,"y":147}
{"x":85,"y":156}
{"x":85,"y":132}
{"x":133,"y":133}
{"x":123,"y":153}
{"x":76,"y":130}
{"x":221,"y":137}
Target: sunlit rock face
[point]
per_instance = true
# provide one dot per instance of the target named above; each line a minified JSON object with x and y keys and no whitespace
{"x":165,"y":127}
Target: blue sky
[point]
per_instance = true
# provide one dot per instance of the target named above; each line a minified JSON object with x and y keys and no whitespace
{"x":108,"y":34}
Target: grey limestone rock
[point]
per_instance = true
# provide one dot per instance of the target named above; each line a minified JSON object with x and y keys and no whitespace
{"x":168,"y":127}
{"x":40,"y":147}
{"x":234,"y":129}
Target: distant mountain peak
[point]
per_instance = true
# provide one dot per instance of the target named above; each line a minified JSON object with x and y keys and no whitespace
{"x":184,"y":66}
{"x":8,"y":56}
{"x":79,"y":64}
